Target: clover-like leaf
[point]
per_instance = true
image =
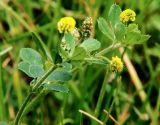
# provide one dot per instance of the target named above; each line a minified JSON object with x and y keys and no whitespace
{"x":59,"y":75}
{"x":69,"y":40}
{"x":135,"y":38}
{"x":114,"y":13}
{"x":56,"y":87}
{"x":120,"y":31}
{"x":105,"y":28}
{"x":24,"y":67}
{"x":132,"y":28}
{"x":91,"y":44}
{"x":36,"y":70}
{"x":79,"y":54}
{"x":67,"y":66}
{"x":30,"y":56}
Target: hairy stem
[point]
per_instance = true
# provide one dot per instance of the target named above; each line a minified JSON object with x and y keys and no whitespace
{"x":35,"y":87}
{"x":20,"y":112}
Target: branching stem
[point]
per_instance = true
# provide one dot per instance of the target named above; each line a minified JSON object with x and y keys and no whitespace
{"x":29,"y":96}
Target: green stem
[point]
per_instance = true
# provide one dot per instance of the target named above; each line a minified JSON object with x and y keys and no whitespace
{"x":111,"y":47}
{"x":35,"y":87}
{"x":38,"y":84}
{"x":101,"y":95}
{"x":2,"y":105}
{"x":20,"y":112}
{"x":35,"y":102}
{"x":115,"y":95}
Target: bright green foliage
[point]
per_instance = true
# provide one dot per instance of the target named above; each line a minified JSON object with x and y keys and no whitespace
{"x":120,"y":31}
{"x":32,"y":65}
{"x":135,"y":38}
{"x":69,"y":41}
{"x":71,"y":71}
{"x":113,"y":16}
{"x":67,"y":66}
{"x":56,"y":87}
{"x":36,"y":70}
{"x":94,"y":60}
{"x":125,"y":34}
{"x":79,"y":54}
{"x":32,"y":62}
{"x":59,"y":75}
{"x":134,"y":35}
{"x":24,"y":66}
{"x":91,"y":44}
{"x":105,"y":28}
{"x":31,"y":56}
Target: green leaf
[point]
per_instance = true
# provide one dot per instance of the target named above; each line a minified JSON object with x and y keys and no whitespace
{"x":31,"y":70}
{"x":132,"y":38}
{"x":105,"y":28}
{"x":63,"y":53}
{"x":79,"y":54}
{"x":132,"y":28}
{"x":69,"y":40}
{"x":120,"y":31}
{"x":67,"y":66}
{"x":144,"y":38}
{"x":30,"y":56}
{"x":91,"y":44}
{"x":59,"y":75}
{"x":114,"y":13}
{"x":135,"y":38}
{"x":24,"y":66}
{"x":41,"y":45}
{"x":56,"y":87}
{"x":36,"y":70}
{"x":96,"y":61}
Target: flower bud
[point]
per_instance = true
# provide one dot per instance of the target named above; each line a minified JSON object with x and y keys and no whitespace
{"x":66,"y":24}
{"x":116,"y":64}
{"x":127,"y":15}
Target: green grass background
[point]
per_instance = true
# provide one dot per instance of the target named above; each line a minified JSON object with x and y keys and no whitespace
{"x":19,"y":17}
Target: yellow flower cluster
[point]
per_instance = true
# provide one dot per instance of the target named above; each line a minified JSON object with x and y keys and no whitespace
{"x":116,"y":64}
{"x":127,"y":15}
{"x":66,"y":24}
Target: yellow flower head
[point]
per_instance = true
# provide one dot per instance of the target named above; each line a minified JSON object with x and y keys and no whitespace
{"x":66,"y":24}
{"x":127,"y":15}
{"x":116,"y":64}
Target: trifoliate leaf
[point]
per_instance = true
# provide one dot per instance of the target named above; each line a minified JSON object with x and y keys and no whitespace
{"x":91,"y":44}
{"x":105,"y":28}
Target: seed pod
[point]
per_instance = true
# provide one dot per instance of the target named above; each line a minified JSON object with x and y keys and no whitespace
{"x":87,"y":27}
{"x":76,"y":34}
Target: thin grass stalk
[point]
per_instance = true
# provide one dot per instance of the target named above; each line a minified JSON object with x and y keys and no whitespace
{"x":101,"y":95}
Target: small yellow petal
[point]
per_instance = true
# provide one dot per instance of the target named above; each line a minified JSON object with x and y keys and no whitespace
{"x":66,"y":24}
{"x":116,"y":64}
{"x":127,"y":16}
